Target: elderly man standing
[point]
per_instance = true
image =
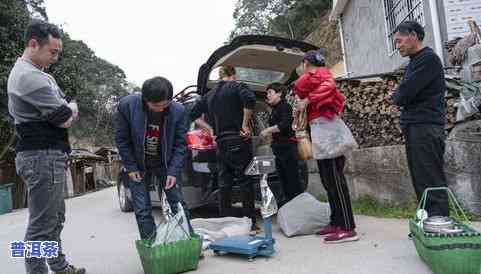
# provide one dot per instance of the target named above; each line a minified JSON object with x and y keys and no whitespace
{"x":421,"y":98}
{"x":42,"y":118}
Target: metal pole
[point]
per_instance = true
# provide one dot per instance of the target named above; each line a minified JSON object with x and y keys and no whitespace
{"x":268,"y":227}
{"x":438,"y":45}
{"x":343,"y":46}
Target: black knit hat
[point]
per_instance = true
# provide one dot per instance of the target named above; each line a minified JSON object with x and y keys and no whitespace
{"x":316,"y":57}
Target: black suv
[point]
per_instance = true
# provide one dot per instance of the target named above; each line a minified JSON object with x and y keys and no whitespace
{"x":259,"y":60}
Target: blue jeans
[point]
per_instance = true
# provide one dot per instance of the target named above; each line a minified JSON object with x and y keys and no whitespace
{"x":45,"y":175}
{"x":143,"y":205}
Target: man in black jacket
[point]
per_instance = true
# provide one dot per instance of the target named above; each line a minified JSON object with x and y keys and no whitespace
{"x":421,"y":97}
{"x":229,"y":106}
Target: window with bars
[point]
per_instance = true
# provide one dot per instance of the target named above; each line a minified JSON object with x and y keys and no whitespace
{"x":398,"y":11}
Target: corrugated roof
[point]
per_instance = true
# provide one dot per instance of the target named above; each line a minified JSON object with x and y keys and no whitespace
{"x":83,"y":154}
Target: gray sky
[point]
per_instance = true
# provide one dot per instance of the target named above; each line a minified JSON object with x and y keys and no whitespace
{"x":148,"y":38}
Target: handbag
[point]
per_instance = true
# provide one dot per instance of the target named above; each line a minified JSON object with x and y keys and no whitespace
{"x":304,"y":145}
{"x":331,"y":138}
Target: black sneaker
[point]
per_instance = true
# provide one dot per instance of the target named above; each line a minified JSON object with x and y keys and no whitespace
{"x":71,"y":270}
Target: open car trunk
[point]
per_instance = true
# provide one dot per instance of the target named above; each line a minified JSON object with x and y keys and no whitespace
{"x":259,"y":60}
{"x":256,"y":53}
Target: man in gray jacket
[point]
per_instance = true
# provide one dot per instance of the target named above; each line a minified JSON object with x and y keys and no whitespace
{"x":42,"y":118}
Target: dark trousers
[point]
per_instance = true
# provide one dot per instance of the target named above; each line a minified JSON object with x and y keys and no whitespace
{"x":333,"y":180}
{"x":213,"y":178}
{"x":234,"y":156}
{"x":143,"y":205}
{"x":45,"y":175}
{"x":288,"y":169}
{"x":425,"y":145}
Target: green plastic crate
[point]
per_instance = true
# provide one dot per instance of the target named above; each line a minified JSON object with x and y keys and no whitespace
{"x":448,"y":253}
{"x":170,"y":258}
{"x":6,"y":198}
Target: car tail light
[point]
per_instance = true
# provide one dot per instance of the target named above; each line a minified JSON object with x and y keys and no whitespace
{"x":200,"y":140}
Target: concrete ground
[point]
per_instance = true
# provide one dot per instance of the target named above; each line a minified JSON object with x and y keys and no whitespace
{"x":101,"y":238}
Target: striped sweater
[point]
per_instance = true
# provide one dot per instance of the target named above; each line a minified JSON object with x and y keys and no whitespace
{"x":38,"y":107}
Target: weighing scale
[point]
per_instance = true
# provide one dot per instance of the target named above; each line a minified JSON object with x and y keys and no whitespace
{"x":253,"y":246}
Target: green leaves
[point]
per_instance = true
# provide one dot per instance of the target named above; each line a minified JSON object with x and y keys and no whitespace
{"x":284,"y":18}
{"x":14,"y":17}
{"x":95,"y":83}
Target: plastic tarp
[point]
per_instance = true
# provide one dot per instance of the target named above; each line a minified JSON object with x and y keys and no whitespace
{"x":470,"y":100}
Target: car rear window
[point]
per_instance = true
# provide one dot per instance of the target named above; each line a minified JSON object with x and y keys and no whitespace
{"x":253,"y":75}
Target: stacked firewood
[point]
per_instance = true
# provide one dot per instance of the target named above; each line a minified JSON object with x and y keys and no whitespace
{"x":373,"y":120}
{"x":369,"y":112}
{"x":372,"y":117}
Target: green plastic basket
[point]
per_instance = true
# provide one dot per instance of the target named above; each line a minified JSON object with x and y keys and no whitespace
{"x":458,"y":253}
{"x":170,"y":258}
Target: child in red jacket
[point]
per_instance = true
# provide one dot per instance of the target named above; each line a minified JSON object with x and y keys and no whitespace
{"x":316,"y":89}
